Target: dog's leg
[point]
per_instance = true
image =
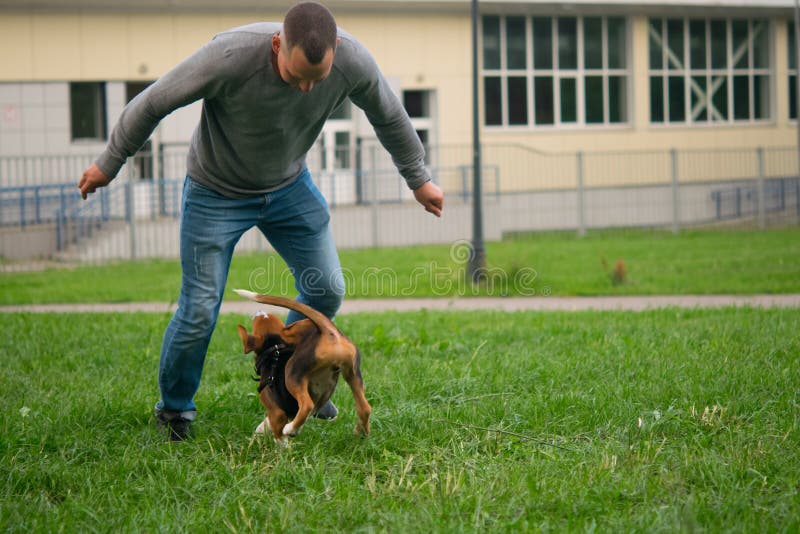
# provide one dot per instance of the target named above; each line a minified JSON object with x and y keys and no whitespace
{"x":352,"y":376}
{"x":305,"y":405}
{"x":277,"y":420}
{"x":264,"y":427}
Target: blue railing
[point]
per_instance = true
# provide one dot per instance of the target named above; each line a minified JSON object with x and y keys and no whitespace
{"x":36,"y":204}
{"x":742,"y":200}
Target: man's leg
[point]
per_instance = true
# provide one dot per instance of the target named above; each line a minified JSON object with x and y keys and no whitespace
{"x":211,"y":225}
{"x":296,"y":224}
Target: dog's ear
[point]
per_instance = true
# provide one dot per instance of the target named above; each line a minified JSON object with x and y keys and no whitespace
{"x":265,"y":324}
{"x":295,"y":332}
{"x":250,"y":343}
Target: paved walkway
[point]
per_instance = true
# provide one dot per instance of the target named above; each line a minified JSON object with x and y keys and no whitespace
{"x":632,"y":303}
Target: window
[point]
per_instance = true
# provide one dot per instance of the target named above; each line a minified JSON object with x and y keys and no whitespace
{"x":551,"y":71}
{"x":792,"y":54}
{"x":334,"y":145}
{"x":419,"y":104}
{"x":87,"y":101}
{"x":709,"y":70}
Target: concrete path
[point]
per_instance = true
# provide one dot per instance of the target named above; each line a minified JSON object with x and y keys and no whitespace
{"x":632,"y":303}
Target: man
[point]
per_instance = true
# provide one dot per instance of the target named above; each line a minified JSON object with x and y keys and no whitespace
{"x":267,"y":90}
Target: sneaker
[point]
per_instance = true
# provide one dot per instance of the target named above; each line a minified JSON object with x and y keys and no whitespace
{"x":175,"y":425}
{"x":327,"y":412}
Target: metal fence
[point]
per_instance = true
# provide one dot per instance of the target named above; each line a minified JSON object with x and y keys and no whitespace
{"x":41,"y":213}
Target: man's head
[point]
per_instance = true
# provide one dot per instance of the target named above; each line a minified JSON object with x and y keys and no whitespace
{"x":306,"y":45}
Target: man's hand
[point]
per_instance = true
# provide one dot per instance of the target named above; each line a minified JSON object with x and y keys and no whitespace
{"x":92,"y":178}
{"x":431,"y":197}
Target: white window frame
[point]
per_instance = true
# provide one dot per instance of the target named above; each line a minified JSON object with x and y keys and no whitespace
{"x":579,"y":74}
{"x":711,"y":74}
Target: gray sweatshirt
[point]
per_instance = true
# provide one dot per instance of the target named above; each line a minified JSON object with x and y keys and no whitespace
{"x":255,"y":130}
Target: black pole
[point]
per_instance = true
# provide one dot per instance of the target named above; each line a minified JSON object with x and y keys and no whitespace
{"x":477,"y":263}
{"x":797,"y":77}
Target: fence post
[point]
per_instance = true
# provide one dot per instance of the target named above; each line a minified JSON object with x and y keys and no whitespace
{"x":373,"y":196}
{"x":676,"y":199}
{"x":131,"y":208}
{"x":581,"y":200}
{"x":762,"y":201}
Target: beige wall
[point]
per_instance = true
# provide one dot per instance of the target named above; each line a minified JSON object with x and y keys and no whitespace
{"x":430,"y":51}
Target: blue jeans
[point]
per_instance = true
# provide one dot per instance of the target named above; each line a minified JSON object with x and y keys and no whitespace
{"x":294,"y":219}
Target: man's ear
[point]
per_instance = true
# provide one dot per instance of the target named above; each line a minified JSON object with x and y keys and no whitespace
{"x":250,"y":343}
{"x":276,"y":43}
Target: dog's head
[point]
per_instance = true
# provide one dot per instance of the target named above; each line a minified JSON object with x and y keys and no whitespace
{"x":270,"y":329}
{"x":265,"y":327}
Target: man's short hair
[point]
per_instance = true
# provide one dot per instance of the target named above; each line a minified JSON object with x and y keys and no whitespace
{"x":311,"y":26}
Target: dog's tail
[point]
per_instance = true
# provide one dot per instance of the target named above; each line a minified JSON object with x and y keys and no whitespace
{"x":324,"y":324}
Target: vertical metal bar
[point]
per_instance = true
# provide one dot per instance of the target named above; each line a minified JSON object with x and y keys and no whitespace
{"x":477,"y":264}
{"x":131,"y":208}
{"x":761,"y":194}
{"x":373,"y":197}
{"x":22,"y":207}
{"x":797,"y":74}
{"x":581,"y":191}
{"x":676,"y":198}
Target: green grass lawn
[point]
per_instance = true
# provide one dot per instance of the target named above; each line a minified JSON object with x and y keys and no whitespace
{"x":658,"y":262}
{"x":659,"y":421}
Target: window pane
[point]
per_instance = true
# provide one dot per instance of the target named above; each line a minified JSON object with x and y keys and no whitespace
{"x":616,"y":43}
{"x":593,"y":43}
{"x":675,"y":56}
{"x":515,"y":43}
{"x":699,"y":112}
{"x":594,"y":99}
{"x":492,"y":96}
{"x":88,"y":110}
{"x":761,"y":97}
{"x":677,"y":99}
{"x":569,"y":100}
{"x":793,"y":96}
{"x":741,"y":49}
{"x":618,"y":99}
{"x":656,"y":51}
{"x":517,"y":100}
{"x":656,"y":99}
{"x":697,"y":43}
{"x":792,"y":47}
{"x":760,"y":44}
{"x":567,"y":43}
{"x":416,"y":103}
{"x":741,"y":97}
{"x":542,"y":43}
{"x":543,"y":88}
{"x":491,"y":42}
{"x":342,"y":147}
{"x":719,"y":44}
{"x":424,"y":138}
{"x":719,"y":98}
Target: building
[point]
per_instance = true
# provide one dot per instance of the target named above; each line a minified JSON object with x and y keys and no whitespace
{"x":572,"y":77}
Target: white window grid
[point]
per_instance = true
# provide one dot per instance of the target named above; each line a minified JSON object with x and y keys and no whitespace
{"x":712,"y":75}
{"x":579,"y":74}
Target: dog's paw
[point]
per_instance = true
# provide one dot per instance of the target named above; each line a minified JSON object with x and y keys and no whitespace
{"x":359,"y":430}
{"x":283,"y":442}
{"x":262,"y":428}
{"x":290,"y":430}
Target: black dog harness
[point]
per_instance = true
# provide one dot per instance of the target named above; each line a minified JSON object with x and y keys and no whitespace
{"x":271,"y":369}
{"x":269,"y":366}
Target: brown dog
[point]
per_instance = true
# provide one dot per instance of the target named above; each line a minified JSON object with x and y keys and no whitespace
{"x":303,"y":379}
